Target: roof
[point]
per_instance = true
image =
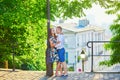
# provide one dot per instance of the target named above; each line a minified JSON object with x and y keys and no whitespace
{"x":74,"y":27}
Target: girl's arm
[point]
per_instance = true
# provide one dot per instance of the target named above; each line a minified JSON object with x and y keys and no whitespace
{"x":51,"y":43}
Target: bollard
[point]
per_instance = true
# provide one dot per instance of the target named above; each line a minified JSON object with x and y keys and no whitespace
{"x":6,"y":64}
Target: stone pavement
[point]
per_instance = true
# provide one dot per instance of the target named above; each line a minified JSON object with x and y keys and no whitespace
{"x":87,"y":76}
{"x":20,"y":75}
{"x":40,"y":75}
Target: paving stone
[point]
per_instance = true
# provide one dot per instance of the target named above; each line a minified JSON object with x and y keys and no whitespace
{"x":111,"y":75}
{"x":39,"y":75}
{"x":117,"y":79}
{"x":106,"y":77}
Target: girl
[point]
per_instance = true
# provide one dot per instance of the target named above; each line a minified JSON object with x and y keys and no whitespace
{"x":53,"y":50}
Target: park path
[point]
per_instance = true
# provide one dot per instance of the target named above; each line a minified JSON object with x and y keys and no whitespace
{"x":40,"y":75}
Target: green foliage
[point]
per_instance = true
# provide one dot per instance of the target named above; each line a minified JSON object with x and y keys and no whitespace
{"x":106,"y":62}
{"x":71,"y":69}
{"x":23,"y":32}
{"x":32,"y":63}
{"x":68,"y":9}
{"x":114,"y":8}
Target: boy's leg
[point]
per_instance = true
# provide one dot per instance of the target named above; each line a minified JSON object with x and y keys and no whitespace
{"x":61,"y":53}
{"x":64,"y":67}
{"x":60,"y":68}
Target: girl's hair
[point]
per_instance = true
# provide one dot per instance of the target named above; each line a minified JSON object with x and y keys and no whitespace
{"x":51,"y":33}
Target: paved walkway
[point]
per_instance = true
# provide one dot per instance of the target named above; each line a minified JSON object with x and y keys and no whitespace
{"x":87,"y":76}
{"x":40,"y":75}
{"x":20,"y":75}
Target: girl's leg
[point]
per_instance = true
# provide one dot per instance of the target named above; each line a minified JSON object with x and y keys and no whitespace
{"x":56,"y":73}
{"x":59,"y":68}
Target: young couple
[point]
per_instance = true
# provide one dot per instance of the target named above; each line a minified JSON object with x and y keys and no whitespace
{"x":57,"y":45}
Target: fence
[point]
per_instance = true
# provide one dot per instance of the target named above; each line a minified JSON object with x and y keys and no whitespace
{"x":92,"y":64}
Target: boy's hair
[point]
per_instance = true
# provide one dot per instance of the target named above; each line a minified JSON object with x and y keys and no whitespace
{"x":59,"y":27}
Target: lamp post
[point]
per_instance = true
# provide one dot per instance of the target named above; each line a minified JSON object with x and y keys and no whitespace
{"x":83,"y":58}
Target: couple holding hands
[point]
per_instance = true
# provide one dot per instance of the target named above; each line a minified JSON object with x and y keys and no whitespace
{"x":57,"y":51}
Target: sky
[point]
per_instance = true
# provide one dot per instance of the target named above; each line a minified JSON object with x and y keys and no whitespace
{"x":97,"y":16}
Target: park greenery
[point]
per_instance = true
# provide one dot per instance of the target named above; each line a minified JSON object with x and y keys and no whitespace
{"x":114,"y":8}
{"x":23,"y":28}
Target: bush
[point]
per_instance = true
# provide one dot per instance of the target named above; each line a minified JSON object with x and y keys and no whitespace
{"x":71,"y":68}
{"x":24,"y":66}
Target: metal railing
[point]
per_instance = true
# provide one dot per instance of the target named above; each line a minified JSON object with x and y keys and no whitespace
{"x":92,"y":51}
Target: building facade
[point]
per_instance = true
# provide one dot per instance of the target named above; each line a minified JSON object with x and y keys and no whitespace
{"x":76,"y":38}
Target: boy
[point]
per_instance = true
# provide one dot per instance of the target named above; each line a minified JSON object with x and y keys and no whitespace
{"x":61,"y":50}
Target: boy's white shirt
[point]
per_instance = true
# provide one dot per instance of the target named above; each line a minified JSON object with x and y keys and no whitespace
{"x":60,"y":38}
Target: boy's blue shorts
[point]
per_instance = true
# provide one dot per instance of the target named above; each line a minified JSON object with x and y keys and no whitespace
{"x":61,"y":54}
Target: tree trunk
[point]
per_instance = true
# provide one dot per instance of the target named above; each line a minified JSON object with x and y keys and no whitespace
{"x":49,"y":66}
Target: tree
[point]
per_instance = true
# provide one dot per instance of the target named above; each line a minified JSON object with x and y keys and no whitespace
{"x":114,"y":8}
{"x":23,"y":31}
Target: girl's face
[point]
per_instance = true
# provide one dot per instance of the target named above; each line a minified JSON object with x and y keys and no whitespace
{"x":52,"y":31}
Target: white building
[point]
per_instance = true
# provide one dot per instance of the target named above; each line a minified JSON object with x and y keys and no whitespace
{"x":76,"y":38}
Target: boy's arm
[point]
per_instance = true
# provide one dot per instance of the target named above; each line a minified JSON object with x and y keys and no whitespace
{"x":58,"y":42}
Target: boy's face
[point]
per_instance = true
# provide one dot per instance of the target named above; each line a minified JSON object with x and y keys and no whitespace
{"x":57,"y":30}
